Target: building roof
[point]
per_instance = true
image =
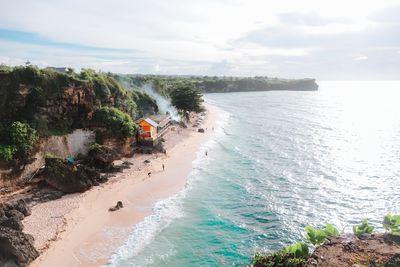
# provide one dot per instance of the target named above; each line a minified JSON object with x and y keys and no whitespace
{"x":156,"y":120}
{"x":162,"y":120}
{"x":150,"y":121}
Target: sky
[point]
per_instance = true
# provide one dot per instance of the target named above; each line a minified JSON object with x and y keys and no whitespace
{"x":327,"y":40}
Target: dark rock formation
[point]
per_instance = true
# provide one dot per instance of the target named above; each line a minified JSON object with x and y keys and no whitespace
{"x":21,"y":206}
{"x":13,"y":213}
{"x":118,"y":206}
{"x":16,"y":246}
{"x":69,"y":178}
{"x":363,"y":250}
{"x":201,"y":130}
{"x":102,"y":157}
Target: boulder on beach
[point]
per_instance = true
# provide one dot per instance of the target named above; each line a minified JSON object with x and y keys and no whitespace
{"x":16,"y":247}
{"x":201,"y":130}
{"x":102,"y":157}
{"x":12,"y":214}
{"x":118,"y":206}
{"x":69,"y":178}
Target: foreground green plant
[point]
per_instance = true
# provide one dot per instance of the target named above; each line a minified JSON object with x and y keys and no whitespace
{"x":282,"y":258}
{"x":7,"y":152}
{"x":363,"y":228}
{"x":392,"y":223}
{"x":299,"y":250}
{"x":317,"y":237}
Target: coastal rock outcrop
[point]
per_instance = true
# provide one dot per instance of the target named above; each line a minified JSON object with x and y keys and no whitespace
{"x":69,"y":178}
{"x":362,"y":250}
{"x":102,"y":157}
{"x":16,"y":247}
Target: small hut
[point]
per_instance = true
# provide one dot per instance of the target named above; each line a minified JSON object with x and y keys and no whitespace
{"x":152,"y":127}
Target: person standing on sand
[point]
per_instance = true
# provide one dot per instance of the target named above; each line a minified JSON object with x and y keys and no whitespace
{"x":206,"y":153}
{"x":163,"y":167}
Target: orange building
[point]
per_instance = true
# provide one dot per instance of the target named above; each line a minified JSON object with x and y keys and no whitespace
{"x":153,"y":127}
{"x":147,"y":129}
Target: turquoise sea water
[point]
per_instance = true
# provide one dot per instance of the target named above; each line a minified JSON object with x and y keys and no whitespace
{"x":277,"y":162}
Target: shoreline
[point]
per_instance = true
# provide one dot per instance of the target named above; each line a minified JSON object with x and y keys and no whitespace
{"x":78,"y":229}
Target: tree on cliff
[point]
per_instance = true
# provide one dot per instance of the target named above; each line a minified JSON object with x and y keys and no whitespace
{"x":116,"y":121}
{"x":187,"y":98}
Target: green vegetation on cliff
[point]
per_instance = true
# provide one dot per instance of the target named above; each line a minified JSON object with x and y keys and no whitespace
{"x":297,"y":254}
{"x":45,"y":102}
{"x":164,"y":84}
{"x":115,"y":121}
{"x":18,"y":139}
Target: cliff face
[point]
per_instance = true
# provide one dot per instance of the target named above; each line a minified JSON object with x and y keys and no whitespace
{"x":64,"y":146}
{"x":63,"y":100}
{"x":28,"y":101}
{"x":53,"y":105}
{"x":74,"y":103}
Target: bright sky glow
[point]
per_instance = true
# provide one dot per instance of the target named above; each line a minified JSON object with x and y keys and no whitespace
{"x":324,"y":39}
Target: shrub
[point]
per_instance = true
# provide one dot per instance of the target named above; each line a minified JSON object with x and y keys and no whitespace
{"x":51,"y":156}
{"x":104,"y":86}
{"x":22,"y":136}
{"x":299,"y":250}
{"x":317,"y":237}
{"x":53,"y":81}
{"x":392,"y":223}
{"x":5,"y":69}
{"x":116,"y":122}
{"x":280,"y":258}
{"x":7,"y":152}
{"x":27,"y":75}
{"x":97,"y":148}
{"x":363,"y":228}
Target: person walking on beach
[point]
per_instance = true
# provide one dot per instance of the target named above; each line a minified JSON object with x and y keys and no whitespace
{"x":206,"y":153}
{"x":163,"y":167}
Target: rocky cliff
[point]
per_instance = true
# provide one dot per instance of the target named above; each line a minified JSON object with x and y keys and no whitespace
{"x":357,"y":250}
{"x":56,"y":111}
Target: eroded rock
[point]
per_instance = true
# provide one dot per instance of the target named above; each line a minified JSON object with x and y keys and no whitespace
{"x":69,"y":178}
{"x":365,"y":250}
{"x":102,"y":157}
{"x":16,"y":246}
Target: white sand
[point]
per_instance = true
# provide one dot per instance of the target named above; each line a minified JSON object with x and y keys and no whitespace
{"x":75,"y":230}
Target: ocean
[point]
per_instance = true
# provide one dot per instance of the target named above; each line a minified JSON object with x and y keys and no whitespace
{"x":278,"y":161}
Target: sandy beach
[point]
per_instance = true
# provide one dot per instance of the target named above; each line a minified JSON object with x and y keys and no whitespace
{"x":78,"y":229}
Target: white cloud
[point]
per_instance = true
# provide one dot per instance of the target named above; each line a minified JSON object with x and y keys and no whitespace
{"x":182,"y":36}
{"x":361,"y":58}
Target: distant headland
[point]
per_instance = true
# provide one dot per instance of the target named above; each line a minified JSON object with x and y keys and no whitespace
{"x":222,"y":84}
